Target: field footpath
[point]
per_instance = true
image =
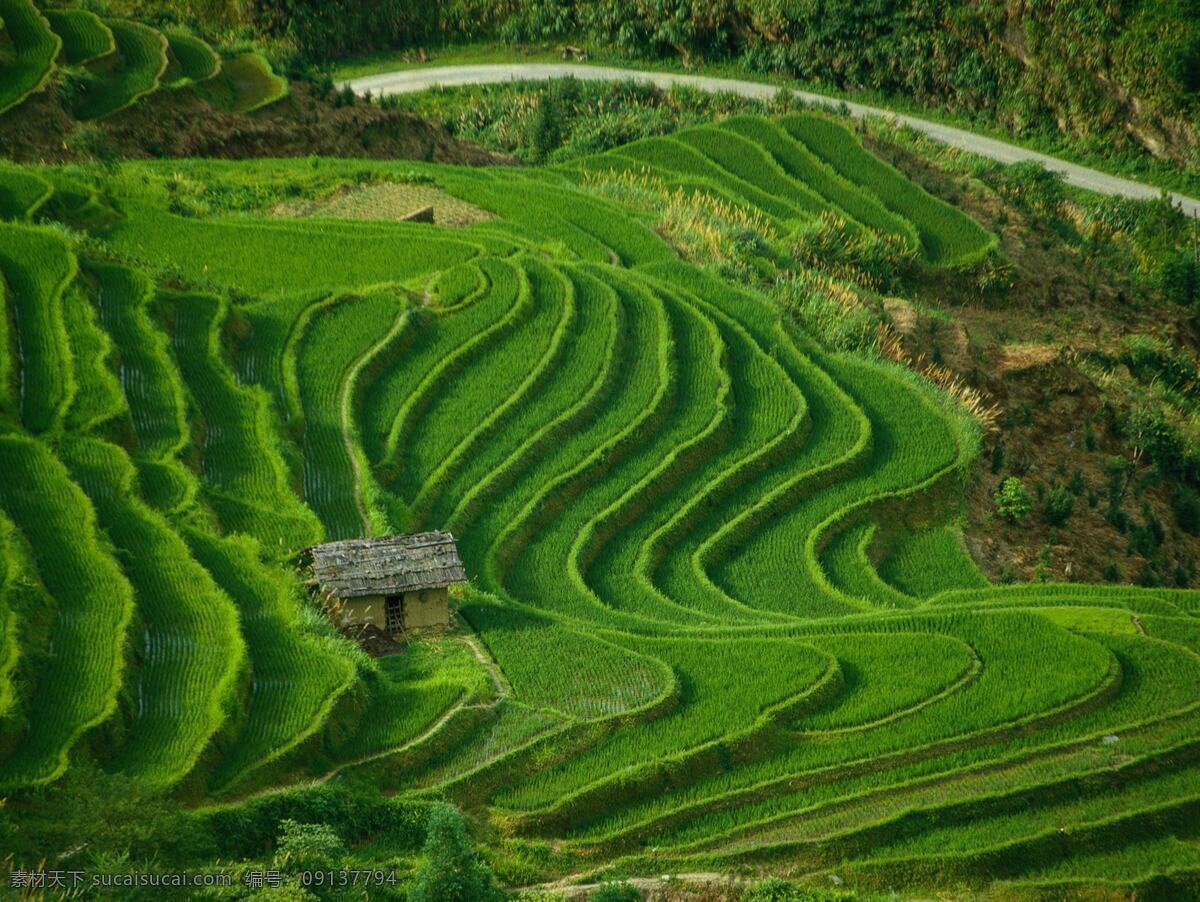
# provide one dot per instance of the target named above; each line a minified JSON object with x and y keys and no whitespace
{"x":408,"y":81}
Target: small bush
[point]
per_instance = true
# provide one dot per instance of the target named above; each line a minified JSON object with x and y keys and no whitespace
{"x":546,"y":127}
{"x":453,"y":870}
{"x":1012,"y":500}
{"x":307,"y":847}
{"x":91,"y":142}
{"x":997,"y":459}
{"x":1032,"y":187}
{"x":1180,"y":279}
{"x":1187,"y":510}
{"x":1058,"y":505}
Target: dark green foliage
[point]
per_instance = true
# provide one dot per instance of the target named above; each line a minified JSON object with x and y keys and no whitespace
{"x":93,"y":143}
{"x":1180,"y":279}
{"x":1152,"y":360}
{"x":1187,"y":510}
{"x":1146,"y":538}
{"x":1077,"y":484}
{"x":932,"y":51}
{"x":997,"y":458}
{"x":252,"y":828}
{"x":453,"y":870}
{"x":328,"y":28}
{"x":136,"y":820}
{"x":546,"y":128}
{"x":1057,"y":505}
{"x":1149,"y":429}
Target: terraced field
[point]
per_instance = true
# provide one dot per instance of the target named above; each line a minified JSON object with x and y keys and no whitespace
{"x":714,"y":565}
{"x":107,"y":64}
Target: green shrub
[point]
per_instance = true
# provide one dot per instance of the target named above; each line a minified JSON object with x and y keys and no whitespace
{"x":1187,"y":510}
{"x":616,"y":892}
{"x":1151,"y":359}
{"x":546,"y":127}
{"x":91,"y":142}
{"x":1180,"y":279}
{"x":307,"y":847}
{"x":1031,"y":186}
{"x":1057,"y":505}
{"x":452,"y":870}
{"x":1012,"y":500}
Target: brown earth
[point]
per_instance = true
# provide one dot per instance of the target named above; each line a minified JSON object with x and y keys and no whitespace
{"x":1027,"y":351}
{"x":178,"y":123}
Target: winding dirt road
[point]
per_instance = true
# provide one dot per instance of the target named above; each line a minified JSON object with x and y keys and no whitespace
{"x":408,"y":81}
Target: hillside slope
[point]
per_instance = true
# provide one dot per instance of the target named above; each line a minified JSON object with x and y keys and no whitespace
{"x":715,"y":566}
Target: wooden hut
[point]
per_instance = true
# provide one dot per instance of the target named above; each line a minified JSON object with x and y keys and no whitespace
{"x":395,"y":583}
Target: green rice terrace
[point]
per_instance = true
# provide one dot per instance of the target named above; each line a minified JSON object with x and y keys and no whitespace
{"x":719,"y":619}
{"x":110,"y":63}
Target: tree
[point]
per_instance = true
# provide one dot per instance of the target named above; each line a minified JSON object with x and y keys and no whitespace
{"x":453,"y":870}
{"x":1012,"y":500}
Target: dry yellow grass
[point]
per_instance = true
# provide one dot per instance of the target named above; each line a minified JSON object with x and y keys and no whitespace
{"x":391,"y":201}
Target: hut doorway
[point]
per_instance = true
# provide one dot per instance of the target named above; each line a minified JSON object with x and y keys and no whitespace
{"x":394,"y":615}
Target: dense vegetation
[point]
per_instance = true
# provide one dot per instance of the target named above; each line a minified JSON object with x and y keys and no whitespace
{"x":728,"y":619}
{"x":1117,"y":76}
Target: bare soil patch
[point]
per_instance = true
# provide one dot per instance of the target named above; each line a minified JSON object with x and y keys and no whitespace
{"x":1026,"y":352}
{"x":180,"y":123}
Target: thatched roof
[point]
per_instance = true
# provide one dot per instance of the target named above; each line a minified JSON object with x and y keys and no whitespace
{"x":388,"y":566}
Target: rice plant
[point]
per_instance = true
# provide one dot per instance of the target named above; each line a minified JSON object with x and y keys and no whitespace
{"x":84,"y":35}
{"x":34,"y":47}
{"x":113,"y":83}
{"x":724,"y":614}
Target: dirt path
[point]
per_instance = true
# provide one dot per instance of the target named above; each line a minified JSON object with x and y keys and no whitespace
{"x":644,"y":884}
{"x":345,"y":412}
{"x":412,"y":80}
{"x":490,"y":666}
